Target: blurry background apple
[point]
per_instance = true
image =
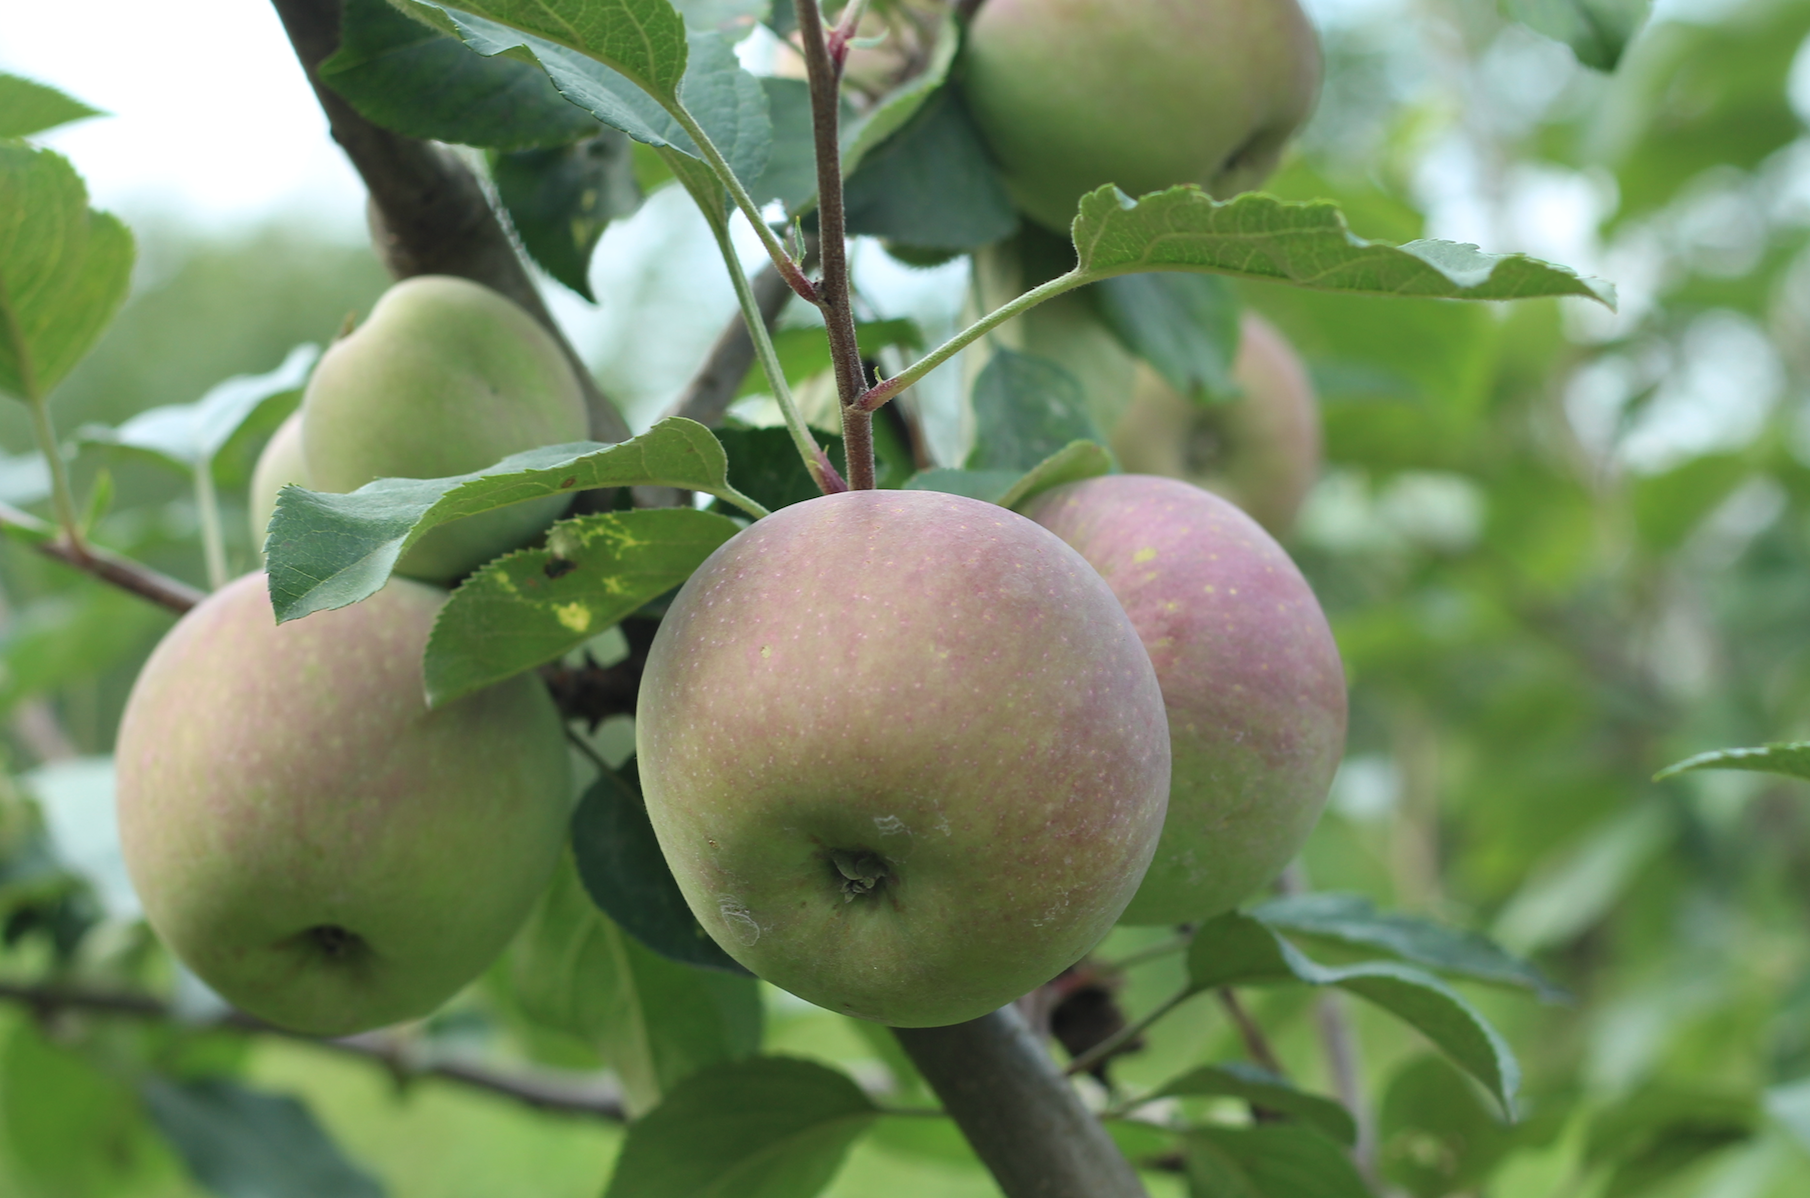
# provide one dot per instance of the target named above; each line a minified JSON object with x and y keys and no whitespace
{"x":1261,"y":449}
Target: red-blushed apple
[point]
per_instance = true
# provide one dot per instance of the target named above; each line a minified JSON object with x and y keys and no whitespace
{"x":1249,"y":671}
{"x":1073,"y":94}
{"x":904,"y":753}
{"x":446,"y":377}
{"x":1262,"y":450}
{"x":318,"y":846}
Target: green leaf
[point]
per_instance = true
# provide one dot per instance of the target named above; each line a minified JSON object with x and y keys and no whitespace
{"x":243,"y":1144}
{"x":790,"y":175}
{"x":1261,"y":1088}
{"x":1236,"y":950}
{"x":561,"y":200}
{"x":74,"y":635}
{"x":64,"y":270}
{"x":765,"y":466}
{"x":328,"y":551}
{"x":1269,"y":1161}
{"x":713,"y":14}
{"x":1791,"y":759}
{"x":66,"y":1125}
{"x":1660,"y":1130}
{"x":644,"y":40}
{"x":630,"y":94}
{"x":932,"y":185}
{"x":189,"y":436}
{"x":1185,"y":326}
{"x":766,"y":1128}
{"x":1072,"y":463}
{"x":422,"y":83}
{"x":897,"y":107}
{"x":1025,"y":409}
{"x":1581,"y":883}
{"x":28,"y":107}
{"x":1354,"y":920}
{"x":626,"y":875}
{"x":535,"y":605}
{"x":658,"y":1021}
{"x":1436,"y":1135}
{"x":1257,"y":236}
{"x":1598,"y":31}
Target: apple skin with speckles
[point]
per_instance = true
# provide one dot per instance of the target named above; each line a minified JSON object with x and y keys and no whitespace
{"x":323,"y":850}
{"x":1249,"y":672}
{"x":904,"y":753}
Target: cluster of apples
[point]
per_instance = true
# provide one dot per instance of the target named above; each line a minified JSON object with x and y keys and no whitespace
{"x":908,"y":755}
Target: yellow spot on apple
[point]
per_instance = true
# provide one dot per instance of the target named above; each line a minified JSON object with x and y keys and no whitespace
{"x":575,"y":616}
{"x":1143,"y":555}
{"x":766,"y":651}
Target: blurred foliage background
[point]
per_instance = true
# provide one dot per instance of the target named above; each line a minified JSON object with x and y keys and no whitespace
{"x":1560,"y":549}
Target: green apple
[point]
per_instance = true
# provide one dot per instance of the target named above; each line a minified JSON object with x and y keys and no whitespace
{"x":1249,"y":673}
{"x":281,"y":464}
{"x":1261,"y":450}
{"x":446,"y":377}
{"x":903,"y":752}
{"x":306,"y":835}
{"x":1074,"y":94}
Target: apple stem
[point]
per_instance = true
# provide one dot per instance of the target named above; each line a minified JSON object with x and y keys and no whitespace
{"x":824,"y":72}
{"x":1020,"y":1114}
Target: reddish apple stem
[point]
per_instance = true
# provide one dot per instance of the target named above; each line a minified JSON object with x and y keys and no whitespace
{"x":1023,"y":1118}
{"x":824,"y":71}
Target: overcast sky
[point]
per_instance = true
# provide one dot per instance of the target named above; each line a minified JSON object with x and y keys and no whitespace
{"x":212,"y":117}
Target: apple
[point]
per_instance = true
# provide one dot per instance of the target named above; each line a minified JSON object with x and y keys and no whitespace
{"x":280,"y":464}
{"x":1074,"y":94}
{"x":903,"y":752}
{"x":323,"y":850}
{"x":1262,"y":450}
{"x":446,"y":377}
{"x":1249,"y":673}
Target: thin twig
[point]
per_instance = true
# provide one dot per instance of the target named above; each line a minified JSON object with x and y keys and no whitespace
{"x":1255,"y":1042}
{"x":429,"y":214}
{"x":104,"y":564}
{"x":588,"y":1095}
{"x":1127,"y":1034}
{"x":824,"y":70}
{"x":1338,"y":1043}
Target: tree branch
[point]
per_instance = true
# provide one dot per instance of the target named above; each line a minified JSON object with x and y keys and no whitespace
{"x":1020,"y":1114}
{"x":428,"y":214}
{"x":1255,"y":1043}
{"x":104,"y":564}
{"x":544,"y":1092}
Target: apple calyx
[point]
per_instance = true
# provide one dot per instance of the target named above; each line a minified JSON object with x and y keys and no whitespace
{"x":860,"y":872}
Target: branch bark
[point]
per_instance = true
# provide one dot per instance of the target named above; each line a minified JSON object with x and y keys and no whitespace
{"x":428,"y":213}
{"x":1020,"y":1114}
{"x":105,"y":565}
{"x":585,"y":1096}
